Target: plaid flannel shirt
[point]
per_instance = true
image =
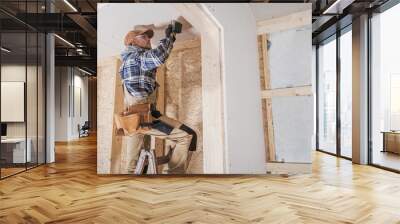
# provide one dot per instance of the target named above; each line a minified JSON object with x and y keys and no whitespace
{"x":139,"y":66}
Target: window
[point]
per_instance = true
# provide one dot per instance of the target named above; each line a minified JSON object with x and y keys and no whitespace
{"x":385,"y":89}
{"x":395,"y":102}
{"x":346,"y":93}
{"x":22,"y":76}
{"x":327,"y":97}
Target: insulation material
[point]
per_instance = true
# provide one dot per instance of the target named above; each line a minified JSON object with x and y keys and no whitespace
{"x":184,"y":96}
{"x":292,"y":115}
{"x":293,"y":127}
{"x":294,"y":47}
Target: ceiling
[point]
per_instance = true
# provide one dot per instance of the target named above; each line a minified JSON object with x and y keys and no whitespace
{"x":76,"y":21}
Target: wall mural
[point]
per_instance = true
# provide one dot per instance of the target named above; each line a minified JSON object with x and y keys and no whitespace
{"x":161,"y":92}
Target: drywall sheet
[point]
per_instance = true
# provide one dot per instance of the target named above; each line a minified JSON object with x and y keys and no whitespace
{"x":12,"y":101}
{"x":290,"y":58}
{"x":293,"y":128}
{"x":244,"y":130}
{"x":290,"y":54}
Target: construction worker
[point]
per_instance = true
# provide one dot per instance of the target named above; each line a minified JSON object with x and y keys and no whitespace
{"x":138,"y":72}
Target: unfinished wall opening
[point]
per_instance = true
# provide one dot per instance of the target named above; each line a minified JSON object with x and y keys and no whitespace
{"x":180,"y":90}
{"x":287,"y":93}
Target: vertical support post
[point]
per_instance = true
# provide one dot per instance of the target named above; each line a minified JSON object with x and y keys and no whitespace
{"x":270,"y":151}
{"x":317,"y":97}
{"x":50,"y":94}
{"x":159,"y":144}
{"x":338,"y":99}
{"x":360,"y":90}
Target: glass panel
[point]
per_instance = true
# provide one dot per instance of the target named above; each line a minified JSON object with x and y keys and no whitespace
{"x":386,"y":89}
{"x":31,"y":101}
{"x":327,"y":97}
{"x":31,"y":86}
{"x":13,"y":87}
{"x":346,"y":93}
{"x":22,"y":88}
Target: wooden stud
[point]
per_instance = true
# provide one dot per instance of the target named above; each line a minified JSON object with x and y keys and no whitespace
{"x":116,"y":146}
{"x":270,"y":151}
{"x":291,"y":21}
{"x":291,"y":91}
{"x":159,"y":144}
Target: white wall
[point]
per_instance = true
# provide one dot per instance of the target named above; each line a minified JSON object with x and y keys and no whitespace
{"x":243,"y":115}
{"x":12,"y":73}
{"x":33,"y":127}
{"x":61,"y":103}
{"x":314,"y":79}
{"x":115,"y":20}
{"x":66,"y":121}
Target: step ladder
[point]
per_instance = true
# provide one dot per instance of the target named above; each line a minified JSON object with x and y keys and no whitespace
{"x":147,"y":157}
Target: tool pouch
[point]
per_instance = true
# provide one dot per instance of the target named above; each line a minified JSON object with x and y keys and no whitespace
{"x":133,"y":120}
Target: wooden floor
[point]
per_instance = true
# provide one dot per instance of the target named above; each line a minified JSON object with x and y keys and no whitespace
{"x":69,"y":191}
{"x":386,"y":159}
{"x":10,"y":171}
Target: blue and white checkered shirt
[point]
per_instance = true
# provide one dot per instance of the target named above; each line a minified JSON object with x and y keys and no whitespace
{"x":139,"y":65}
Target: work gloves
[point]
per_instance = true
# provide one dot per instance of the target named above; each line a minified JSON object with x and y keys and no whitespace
{"x":169,"y":33}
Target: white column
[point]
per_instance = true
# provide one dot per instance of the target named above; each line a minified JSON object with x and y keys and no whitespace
{"x":50,"y":92}
{"x":360,"y":90}
{"x":50,"y":109}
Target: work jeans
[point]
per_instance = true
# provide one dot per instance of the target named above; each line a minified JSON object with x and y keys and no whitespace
{"x":180,"y":141}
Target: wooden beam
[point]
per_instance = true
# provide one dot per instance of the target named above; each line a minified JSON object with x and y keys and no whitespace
{"x":270,"y":151}
{"x":159,"y":144}
{"x":291,"y":91}
{"x":160,"y":78}
{"x":106,"y":82}
{"x":84,"y":24}
{"x":291,"y":21}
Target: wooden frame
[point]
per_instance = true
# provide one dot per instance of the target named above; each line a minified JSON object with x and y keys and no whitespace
{"x":291,"y":91}
{"x":291,"y":21}
{"x":269,"y":133}
{"x":264,"y":27}
{"x":214,"y":151}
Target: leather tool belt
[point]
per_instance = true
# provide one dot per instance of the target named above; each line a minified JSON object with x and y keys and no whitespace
{"x":133,"y":120}
{"x":138,"y":118}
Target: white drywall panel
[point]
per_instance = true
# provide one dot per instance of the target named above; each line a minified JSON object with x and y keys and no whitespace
{"x":243,"y":127}
{"x":293,"y":128}
{"x":290,"y":64}
{"x":61,"y":100}
{"x":290,"y":58}
{"x":66,"y":121}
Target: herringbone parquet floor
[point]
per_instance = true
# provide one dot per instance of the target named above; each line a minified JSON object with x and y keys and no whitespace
{"x":69,"y":191}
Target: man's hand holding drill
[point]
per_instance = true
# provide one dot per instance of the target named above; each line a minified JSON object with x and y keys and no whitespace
{"x":172,"y":29}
